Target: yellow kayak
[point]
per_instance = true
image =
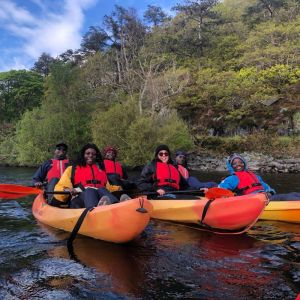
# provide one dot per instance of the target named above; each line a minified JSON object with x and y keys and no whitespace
{"x":286,"y":211}
{"x":118,"y":223}
{"x":223,"y":215}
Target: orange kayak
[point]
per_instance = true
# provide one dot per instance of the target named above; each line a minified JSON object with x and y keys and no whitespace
{"x":224,"y":215}
{"x":286,"y":211}
{"x":118,"y":223}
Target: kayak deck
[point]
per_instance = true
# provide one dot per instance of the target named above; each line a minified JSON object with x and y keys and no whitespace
{"x":286,"y":211}
{"x":118,"y":223}
{"x":224,"y":215}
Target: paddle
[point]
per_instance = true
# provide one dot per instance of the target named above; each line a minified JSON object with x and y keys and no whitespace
{"x":211,"y":193}
{"x":15,"y":191}
{"x":217,"y":192}
{"x":19,"y":189}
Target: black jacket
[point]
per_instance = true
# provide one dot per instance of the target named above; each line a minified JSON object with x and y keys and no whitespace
{"x":147,"y":183}
{"x":41,"y":173}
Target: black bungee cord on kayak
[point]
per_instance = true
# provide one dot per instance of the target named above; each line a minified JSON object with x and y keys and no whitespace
{"x":141,"y":209}
{"x":77,"y":227}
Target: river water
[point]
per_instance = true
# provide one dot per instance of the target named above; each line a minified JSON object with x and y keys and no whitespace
{"x":168,"y":261}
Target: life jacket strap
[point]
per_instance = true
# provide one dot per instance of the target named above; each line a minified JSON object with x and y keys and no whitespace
{"x":93,"y":181}
{"x":170,"y":180}
{"x":249,"y":186}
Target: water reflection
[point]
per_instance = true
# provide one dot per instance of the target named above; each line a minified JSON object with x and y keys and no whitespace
{"x":169,"y":261}
{"x":124,"y":263}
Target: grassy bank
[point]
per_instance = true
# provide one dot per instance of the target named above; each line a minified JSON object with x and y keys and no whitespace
{"x":274,"y":145}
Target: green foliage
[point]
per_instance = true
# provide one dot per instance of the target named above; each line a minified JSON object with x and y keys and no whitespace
{"x":271,"y":43}
{"x":136,"y":136}
{"x":43,"y":64}
{"x":146,"y":133}
{"x":8,"y":152}
{"x":226,"y":67}
{"x":19,"y":91}
{"x":274,"y":145}
{"x":60,"y":117}
{"x":110,"y":127}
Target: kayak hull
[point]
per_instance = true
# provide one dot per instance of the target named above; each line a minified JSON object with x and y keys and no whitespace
{"x":286,"y":211}
{"x":118,"y":223}
{"x":224,"y":215}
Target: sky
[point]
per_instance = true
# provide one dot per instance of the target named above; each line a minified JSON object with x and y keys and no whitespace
{"x":30,"y":27}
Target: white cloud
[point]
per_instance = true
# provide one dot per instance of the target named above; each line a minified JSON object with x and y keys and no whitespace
{"x":10,"y":12}
{"x":42,"y":30}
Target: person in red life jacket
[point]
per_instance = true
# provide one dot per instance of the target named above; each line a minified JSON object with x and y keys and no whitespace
{"x":51,"y":170}
{"x":86,"y":181}
{"x":160,"y":174}
{"x":241,"y":180}
{"x":193,"y":182}
{"x":115,"y":172}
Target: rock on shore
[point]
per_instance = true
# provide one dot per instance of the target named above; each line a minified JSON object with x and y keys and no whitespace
{"x":256,"y":162}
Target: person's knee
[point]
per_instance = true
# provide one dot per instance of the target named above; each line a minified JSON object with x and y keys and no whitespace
{"x":56,"y":203}
{"x":105,"y":192}
{"x":90,"y":193}
{"x":211,"y":184}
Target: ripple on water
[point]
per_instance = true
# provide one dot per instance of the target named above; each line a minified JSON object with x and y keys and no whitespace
{"x":13,"y":209}
{"x":55,"y":277}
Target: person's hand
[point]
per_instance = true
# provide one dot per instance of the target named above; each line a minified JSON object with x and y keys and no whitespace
{"x":38,"y":184}
{"x":72,"y":191}
{"x":268,"y":197}
{"x":160,"y":192}
{"x":204,"y":190}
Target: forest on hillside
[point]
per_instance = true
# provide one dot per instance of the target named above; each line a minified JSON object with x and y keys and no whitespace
{"x":215,"y":76}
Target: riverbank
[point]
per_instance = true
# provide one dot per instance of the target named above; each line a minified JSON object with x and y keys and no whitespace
{"x":207,"y":162}
{"x":256,"y":162}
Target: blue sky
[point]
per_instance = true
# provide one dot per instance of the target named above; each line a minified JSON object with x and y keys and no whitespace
{"x":30,"y":27}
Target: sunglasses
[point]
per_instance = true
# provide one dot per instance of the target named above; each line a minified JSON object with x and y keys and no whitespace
{"x":163,"y":154}
{"x":61,"y":149}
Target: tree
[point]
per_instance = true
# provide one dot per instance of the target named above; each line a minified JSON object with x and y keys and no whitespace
{"x":262,"y":10}
{"x":198,"y":10}
{"x":155,"y":14}
{"x":127,"y":34}
{"x":136,"y":135}
{"x":269,"y":44}
{"x":19,"y":91}
{"x":42,"y":65}
{"x":73,"y":57}
{"x":94,"y":40}
{"x":63,"y":115}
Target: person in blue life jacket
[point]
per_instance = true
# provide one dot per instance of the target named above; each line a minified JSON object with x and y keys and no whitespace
{"x":49,"y":173}
{"x":242,"y":181}
{"x":193,"y":182}
{"x":160,"y":175}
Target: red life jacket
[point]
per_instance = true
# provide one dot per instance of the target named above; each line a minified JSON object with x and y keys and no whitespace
{"x":248,"y":183}
{"x":113,"y":167}
{"x":167,"y":175}
{"x":89,"y":176}
{"x":183,"y":171}
{"x":57,"y":168}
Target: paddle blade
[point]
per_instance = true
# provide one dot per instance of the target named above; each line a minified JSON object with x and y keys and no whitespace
{"x":217,"y":192}
{"x":19,"y":189}
{"x":11,"y":195}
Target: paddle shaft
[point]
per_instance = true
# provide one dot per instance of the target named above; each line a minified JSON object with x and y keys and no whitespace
{"x":183,"y":192}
